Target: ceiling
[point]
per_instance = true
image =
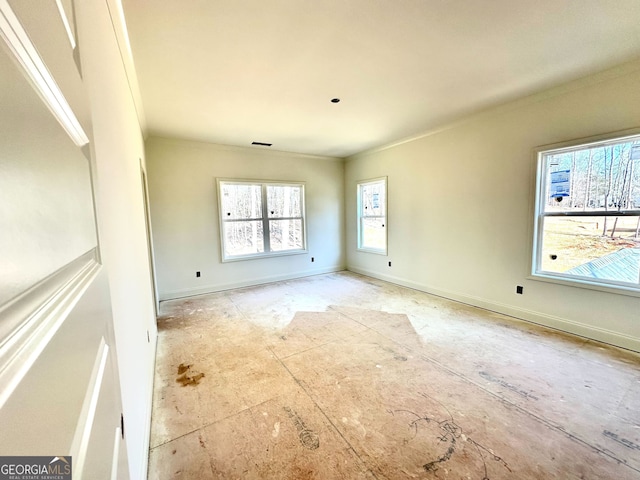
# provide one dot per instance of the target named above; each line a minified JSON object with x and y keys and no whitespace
{"x":237,"y":71}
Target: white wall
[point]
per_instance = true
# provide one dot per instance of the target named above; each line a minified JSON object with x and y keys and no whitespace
{"x":460,"y":218}
{"x":184,"y":212}
{"x":118,"y":149}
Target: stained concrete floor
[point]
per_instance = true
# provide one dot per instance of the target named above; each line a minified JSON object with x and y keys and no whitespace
{"x":343,"y":376}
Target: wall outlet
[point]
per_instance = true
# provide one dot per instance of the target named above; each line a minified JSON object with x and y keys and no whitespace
{"x":197,"y":274}
{"x":519,"y":289}
{"x":389,"y":263}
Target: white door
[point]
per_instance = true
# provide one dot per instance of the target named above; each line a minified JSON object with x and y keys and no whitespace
{"x":59,"y":388}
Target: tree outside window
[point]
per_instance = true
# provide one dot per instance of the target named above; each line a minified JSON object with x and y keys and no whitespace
{"x":261,"y":218}
{"x":588,"y":213}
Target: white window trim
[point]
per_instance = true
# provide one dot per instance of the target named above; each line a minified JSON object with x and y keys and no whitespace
{"x":359,"y":185}
{"x":265,"y":219}
{"x":609,"y":286}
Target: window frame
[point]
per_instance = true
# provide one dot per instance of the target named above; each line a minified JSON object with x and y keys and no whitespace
{"x":360,"y":217}
{"x":539,"y":199}
{"x":265,"y":219}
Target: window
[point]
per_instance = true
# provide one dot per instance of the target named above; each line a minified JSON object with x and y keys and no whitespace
{"x":588,"y":213}
{"x":372,"y":216}
{"x":261,"y":218}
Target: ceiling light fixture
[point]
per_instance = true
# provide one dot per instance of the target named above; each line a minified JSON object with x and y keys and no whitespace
{"x":335,"y":100}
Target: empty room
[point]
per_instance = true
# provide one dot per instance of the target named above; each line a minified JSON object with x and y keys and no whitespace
{"x":321,"y":239}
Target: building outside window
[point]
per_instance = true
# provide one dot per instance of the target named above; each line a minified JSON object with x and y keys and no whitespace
{"x":587,"y":227}
{"x":261,"y":218}
{"x":372,"y":215}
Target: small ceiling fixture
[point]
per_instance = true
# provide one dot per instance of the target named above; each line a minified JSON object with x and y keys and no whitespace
{"x":261,"y":144}
{"x":335,"y":100}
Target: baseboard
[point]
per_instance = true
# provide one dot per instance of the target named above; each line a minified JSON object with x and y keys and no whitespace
{"x":569,"y":326}
{"x":219,"y":287}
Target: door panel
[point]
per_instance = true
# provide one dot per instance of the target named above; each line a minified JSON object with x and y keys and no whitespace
{"x":59,"y":386}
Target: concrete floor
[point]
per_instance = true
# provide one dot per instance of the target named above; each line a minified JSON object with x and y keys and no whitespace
{"x":343,"y":376}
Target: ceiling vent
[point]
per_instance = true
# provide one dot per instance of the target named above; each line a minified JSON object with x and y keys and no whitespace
{"x":261,"y":144}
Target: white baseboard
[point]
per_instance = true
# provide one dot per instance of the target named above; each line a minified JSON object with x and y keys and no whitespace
{"x":219,"y":287}
{"x":588,"y":331}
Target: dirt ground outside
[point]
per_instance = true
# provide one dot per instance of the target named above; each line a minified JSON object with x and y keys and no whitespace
{"x":577,"y":240}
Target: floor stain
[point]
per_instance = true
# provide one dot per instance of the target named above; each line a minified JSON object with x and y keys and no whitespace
{"x":187,"y":377}
{"x":396,"y":355}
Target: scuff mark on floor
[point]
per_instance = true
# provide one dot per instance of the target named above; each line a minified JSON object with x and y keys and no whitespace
{"x":449,"y":433}
{"x":308,"y":437}
{"x":487,"y":376}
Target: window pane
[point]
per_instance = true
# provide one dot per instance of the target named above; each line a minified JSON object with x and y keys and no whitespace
{"x":241,"y":201}
{"x":373,"y":199}
{"x":286,"y":235}
{"x":603,"y":177}
{"x":373,"y":233}
{"x":246,"y":233}
{"x":604,"y":247}
{"x":243,"y":238}
{"x":284,"y":201}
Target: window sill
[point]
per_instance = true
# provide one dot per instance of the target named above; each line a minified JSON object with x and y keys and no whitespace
{"x":254,"y":256}
{"x":584,"y":283}
{"x":372,"y":250}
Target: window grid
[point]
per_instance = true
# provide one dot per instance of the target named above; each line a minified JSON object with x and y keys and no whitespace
{"x":372,"y":216}
{"x":265,"y":223}
{"x":587,"y":228}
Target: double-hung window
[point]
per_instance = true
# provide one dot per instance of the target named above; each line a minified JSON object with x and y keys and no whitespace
{"x":372,"y":215}
{"x":587,"y":228}
{"x":261,"y":218}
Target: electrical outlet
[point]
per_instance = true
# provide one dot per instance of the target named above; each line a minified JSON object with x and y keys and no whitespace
{"x":519,"y":289}
{"x":389,"y":263}
{"x":197,"y":274}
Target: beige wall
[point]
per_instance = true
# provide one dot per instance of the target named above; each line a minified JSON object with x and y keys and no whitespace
{"x":460,"y":207}
{"x":184,"y":212}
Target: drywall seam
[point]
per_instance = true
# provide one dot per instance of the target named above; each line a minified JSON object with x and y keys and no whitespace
{"x":551,"y":321}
